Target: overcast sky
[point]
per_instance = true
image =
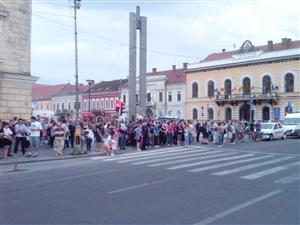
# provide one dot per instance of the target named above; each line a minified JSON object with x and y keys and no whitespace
{"x":178,"y":32}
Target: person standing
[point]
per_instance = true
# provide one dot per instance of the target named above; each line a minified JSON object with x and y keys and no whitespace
{"x":59,"y":139}
{"x":5,"y":139}
{"x":21,"y":132}
{"x":35,"y":129}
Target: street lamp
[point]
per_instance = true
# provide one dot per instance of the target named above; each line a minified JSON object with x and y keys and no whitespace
{"x":90,"y":82}
{"x":76,"y":6}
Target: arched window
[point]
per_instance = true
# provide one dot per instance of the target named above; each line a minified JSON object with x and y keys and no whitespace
{"x":194,"y":90}
{"x":246,"y":86}
{"x":227,"y":85}
{"x":228,"y":114}
{"x":210,"y":88}
{"x":210,"y":114}
{"x":266,"y":88}
{"x":195,"y":114}
{"x":245,"y":112}
{"x":289,"y":83}
{"x":266,"y":113}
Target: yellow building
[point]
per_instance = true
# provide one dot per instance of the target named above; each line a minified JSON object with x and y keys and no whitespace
{"x":258,"y":82}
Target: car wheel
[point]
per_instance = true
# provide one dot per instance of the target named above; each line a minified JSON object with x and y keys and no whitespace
{"x":284,"y":136}
{"x":271,"y":137}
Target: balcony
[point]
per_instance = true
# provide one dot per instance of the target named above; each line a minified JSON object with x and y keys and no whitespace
{"x":235,"y":99}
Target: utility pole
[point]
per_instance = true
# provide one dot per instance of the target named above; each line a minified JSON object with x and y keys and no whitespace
{"x":76,"y":6}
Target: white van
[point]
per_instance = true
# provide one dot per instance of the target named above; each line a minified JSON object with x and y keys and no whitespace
{"x":292,"y":124}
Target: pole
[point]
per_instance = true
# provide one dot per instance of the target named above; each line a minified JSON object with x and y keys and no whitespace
{"x":76,"y":62}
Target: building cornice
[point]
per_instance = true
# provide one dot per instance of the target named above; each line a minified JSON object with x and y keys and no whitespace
{"x":19,"y":78}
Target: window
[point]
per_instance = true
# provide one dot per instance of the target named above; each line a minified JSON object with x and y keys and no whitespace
{"x":210,"y":88}
{"x":57,"y":106}
{"x":111,"y":103}
{"x":101,"y":104}
{"x":227,"y":86}
{"x":194,"y":90}
{"x":54,"y":107}
{"x":228,"y":114}
{"x":266,"y":88}
{"x":275,"y":127}
{"x":195,"y":114}
{"x":62,"y":106}
{"x":170,"y":113}
{"x":279,"y":126}
{"x":246,"y":86}
{"x":178,"y":96}
{"x":266,"y":114}
{"x":137,"y":98}
{"x":289,"y":83}
{"x":69,"y":106}
{"x":106,"y":104}
{"x":160,"y":96}
{"x":148,"y":97}
{"x":94,"y":104}
{"x":98,"y":104}
{"x":124,"y":98}
{"x":169,"y":96}
{"x":210,"y":114}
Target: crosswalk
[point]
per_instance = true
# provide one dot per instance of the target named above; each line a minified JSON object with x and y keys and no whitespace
{"x":218,"y":162}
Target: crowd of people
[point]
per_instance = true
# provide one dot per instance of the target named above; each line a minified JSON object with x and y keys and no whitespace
{"x":112,"y":135}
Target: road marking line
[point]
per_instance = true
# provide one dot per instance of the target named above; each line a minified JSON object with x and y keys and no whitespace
{"x":141,"y":154}
{"x":237,"y":208}
{"x":288,"y":179}
{"x":167,"y":154}
{"x":251,"y":166}
{"x":270,"y":171}
{"x":76,"y":176}
{"x":209,"y":161}
{"x":212,"y":154}
{"x":140,"y":185}
{"x":229,"y":163}
{"x":173,"y":157}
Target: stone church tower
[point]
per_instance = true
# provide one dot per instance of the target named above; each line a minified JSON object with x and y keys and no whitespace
{"x":15,"y":48}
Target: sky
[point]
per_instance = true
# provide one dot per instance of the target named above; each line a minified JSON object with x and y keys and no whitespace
{"x":177,"y":32}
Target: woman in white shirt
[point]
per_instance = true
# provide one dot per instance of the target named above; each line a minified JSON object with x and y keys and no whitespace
{"x":5,"y":139}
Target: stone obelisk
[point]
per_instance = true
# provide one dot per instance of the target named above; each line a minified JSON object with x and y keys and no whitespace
{"x":137,"y":22}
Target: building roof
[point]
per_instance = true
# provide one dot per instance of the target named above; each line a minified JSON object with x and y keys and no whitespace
{"x":173,"y":76}
{"x":270,"y":47}
{"x":45,"y":92}
{"x":107,"y":86}
{"x":70,"y":89}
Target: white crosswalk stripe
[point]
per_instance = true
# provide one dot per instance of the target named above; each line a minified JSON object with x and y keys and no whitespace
{"x":229,"y":163}
{"x":210,"y":154}
{"x":251,"y":166}
{"x":270,"y":171}
{"x":289,"y":179}
{"x":182,"y":156}
{"x":209,"y":161}
{"x":154,"y":152}
{"x":166,"y":154}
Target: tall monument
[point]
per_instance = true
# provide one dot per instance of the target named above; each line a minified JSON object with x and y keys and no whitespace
{"x":15,"y":49}
{"x":137,"y":22}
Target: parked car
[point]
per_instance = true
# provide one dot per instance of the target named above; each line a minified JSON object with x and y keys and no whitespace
{"x":272,"y":131}
{"x":292,"y":124}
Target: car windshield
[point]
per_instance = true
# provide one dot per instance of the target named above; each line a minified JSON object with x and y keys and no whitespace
{"x":291,"y":121}
{"x":266,"y":126}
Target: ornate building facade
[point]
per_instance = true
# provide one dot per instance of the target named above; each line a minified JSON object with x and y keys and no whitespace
{"x":15,"y":48}
{"x":261,"y":83}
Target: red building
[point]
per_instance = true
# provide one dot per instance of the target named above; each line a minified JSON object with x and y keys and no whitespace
{"x":101,"y":98}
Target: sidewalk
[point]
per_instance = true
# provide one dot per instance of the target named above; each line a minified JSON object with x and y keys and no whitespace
{"x":48,"y":154}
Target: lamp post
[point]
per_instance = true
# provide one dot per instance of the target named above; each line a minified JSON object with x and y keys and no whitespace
{"x":76,"y":6}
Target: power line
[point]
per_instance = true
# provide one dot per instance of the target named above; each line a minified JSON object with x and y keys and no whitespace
{"x":41,"y":12}
{"x":115,"y":41}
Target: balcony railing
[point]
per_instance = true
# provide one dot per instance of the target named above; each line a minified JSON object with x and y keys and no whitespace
{"x":258,"y":98}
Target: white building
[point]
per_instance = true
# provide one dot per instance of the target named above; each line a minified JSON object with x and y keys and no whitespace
{"x":165,"y":93}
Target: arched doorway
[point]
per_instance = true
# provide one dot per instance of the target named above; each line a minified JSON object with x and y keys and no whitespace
{"x":195,"y":114}
{"x":228,"y":114}
{"x":245,"y":112}
{"x":210,"y":114}
{"x":149,"y":112}
{"x":266,"y":113}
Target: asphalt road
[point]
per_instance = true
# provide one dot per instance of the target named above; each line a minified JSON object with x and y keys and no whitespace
{"x":255,"y":183}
